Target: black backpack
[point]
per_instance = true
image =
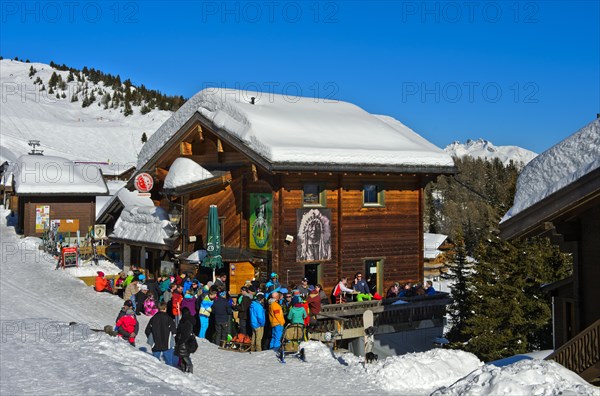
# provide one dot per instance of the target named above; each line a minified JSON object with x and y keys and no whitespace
{"x":192,"y":344}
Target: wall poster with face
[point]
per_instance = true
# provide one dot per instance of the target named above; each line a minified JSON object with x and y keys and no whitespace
{"x":314,"y":234}
{"x":261,"y":221}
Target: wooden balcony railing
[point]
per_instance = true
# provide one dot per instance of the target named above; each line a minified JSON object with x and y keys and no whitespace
{"x":582,"y":353}
{"x":347,"y":317}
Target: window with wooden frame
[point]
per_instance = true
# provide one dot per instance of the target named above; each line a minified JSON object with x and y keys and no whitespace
{"x":313,"y":194}
{"x":373,"y":195}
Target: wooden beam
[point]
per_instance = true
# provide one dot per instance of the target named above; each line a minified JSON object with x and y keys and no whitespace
{"x":185,"y":148}
{"x":254,"y":173}
{"x":200,"y":135}
{"x":219,"y":146}
{"x":161,"y":173}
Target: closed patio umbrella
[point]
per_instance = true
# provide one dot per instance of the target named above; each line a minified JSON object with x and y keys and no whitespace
{"x":213,"y":258}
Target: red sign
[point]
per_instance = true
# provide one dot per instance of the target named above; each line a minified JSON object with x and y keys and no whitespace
{"x":144,"y":182}
{"x":70,"y":257}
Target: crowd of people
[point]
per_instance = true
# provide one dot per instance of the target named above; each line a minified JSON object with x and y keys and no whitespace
{"x":182,"y":308}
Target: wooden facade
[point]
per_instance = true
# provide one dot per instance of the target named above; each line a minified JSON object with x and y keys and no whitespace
{"x":69,"y":207}
{"x":390,"y":234}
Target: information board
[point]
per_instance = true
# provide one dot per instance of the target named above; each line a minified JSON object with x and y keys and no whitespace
{"x":70,"y":257}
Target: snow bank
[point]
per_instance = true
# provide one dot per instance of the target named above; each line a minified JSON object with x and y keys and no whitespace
{"x":557,"y":167}
{"x":422,"y":373}
{"x":287,"y":129}
{"x":185,"y":171}
{"x":88,"y":268}
{"x":144,"y":224}
{"x":37,"y":174}
{"x":527,"y":377}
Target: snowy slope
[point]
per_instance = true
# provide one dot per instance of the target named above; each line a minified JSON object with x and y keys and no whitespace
{"x":64,"y":128}
{"x":481,"y":148}
{"x":41,"y":353}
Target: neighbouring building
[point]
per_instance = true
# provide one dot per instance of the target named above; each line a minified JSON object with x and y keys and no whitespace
{"x":53,"y":190}
{"x":558,"y":196}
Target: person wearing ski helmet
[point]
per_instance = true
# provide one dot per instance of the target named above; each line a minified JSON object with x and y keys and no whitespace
{"x":272,"y":285}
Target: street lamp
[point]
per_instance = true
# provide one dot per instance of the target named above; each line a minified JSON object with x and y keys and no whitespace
{"x":175,"y":216}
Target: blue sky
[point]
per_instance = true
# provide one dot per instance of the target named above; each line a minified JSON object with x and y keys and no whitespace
{"x":516,"y":73}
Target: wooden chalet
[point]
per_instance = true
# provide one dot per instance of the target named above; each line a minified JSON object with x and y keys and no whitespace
{"x":321,"y":190}
{"x":52,"y":190}
{"x":558,"y":196}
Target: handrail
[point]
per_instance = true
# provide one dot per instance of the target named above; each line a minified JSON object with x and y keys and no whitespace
{"x":582,"y":352}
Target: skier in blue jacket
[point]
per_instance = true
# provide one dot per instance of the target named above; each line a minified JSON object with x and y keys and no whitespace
{"x":257,"y":321}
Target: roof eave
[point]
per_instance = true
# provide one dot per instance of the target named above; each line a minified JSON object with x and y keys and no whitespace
{"x":168,"y":245}
{"x":62,"y":194}
{"x":377,"y":168}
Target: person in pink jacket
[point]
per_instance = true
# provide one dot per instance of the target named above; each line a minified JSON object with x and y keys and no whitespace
{"x":150,"y":305}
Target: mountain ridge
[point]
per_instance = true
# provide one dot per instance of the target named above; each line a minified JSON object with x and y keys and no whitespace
{"x":484,"y":149}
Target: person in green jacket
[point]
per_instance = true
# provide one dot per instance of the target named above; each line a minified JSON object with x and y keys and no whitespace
{"x":297,"y":314}
{"x":128,"y":280}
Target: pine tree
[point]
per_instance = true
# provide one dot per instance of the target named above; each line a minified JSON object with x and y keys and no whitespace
{"x":127,"y":110}
{"x":63,"y":95}
{"x":510,"y":313}
{"x":70,"y":77}
{"x":74,"y":98}
{"x":145,"y":109}
{"x":57,"y":95}
{"x":51,"y":91}
{"x":53,"y":80}
{"x":86,"y":101}
{"x":144,"y":137}
{"x":459,"y":272}
{"x":32,"y":71}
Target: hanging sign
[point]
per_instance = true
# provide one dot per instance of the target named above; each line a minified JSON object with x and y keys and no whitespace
{"x":100,"y":231}
{"x":144,"y":182}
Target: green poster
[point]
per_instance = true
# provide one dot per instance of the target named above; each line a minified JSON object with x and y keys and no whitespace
{"x":261,"y":220}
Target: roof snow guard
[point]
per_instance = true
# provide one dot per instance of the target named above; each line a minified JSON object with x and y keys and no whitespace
{"x":44,"y":175}
{"x":296,"y":133}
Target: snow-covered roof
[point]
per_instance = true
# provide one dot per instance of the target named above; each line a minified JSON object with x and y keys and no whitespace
{"x":127,"y":198}
{"x":145,"y":224}
{"x":431,"y":244}
{"x":557,"y":167}
{"x":184,"y":171}
{"x":40,"y":174}
{"x":297,"y":130}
